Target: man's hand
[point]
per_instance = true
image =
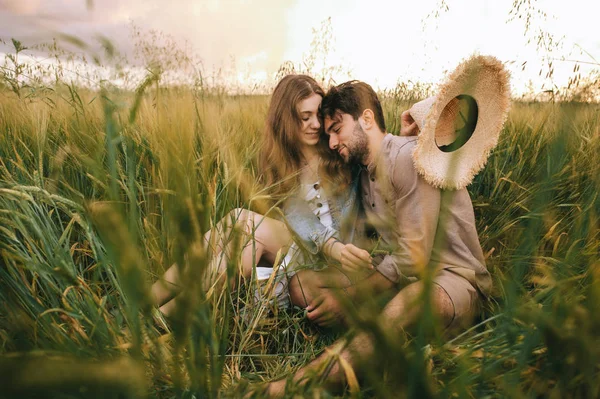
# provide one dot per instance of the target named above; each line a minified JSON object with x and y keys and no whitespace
{"x":351,"y":257}
{"x":408,"y":126}
{"x":326,"y":310}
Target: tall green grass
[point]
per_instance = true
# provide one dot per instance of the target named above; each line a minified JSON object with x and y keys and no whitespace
{"x":100,"y":192}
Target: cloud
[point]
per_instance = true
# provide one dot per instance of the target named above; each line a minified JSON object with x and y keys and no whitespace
{"x":248,"y":31}
{"x":23,"y":7}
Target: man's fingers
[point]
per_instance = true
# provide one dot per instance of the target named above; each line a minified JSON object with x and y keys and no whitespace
{"x":322,"y":316}
{"x":408,"y":126}
{"x":316,"y":314}
{"x":410,"y":130}
{"x":329,"y":311}
{"x":327,"y":317}
{"x":406,"y":117}
{"x":315,"y":303}
{"x":318,"y":309}
{"x":327,"y":320}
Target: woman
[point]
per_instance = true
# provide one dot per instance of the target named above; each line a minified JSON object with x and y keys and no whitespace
{"x":319,"y":205}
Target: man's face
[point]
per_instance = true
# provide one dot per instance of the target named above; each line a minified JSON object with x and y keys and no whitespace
{"x":347,"y":137}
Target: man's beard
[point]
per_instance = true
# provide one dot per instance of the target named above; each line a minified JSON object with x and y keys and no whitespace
{"x":358,"y":147}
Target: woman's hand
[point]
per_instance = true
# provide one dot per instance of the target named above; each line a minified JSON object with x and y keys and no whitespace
{"x":350,"y":256}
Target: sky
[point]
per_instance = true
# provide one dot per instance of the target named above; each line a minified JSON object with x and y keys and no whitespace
{"x":382,"y":42}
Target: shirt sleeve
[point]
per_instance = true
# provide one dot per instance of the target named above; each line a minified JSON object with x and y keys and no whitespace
{"x":417,"y":209}
{"x":308,"y":231}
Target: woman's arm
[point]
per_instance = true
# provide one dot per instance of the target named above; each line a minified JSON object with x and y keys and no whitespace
{"x":306,"y":227}
{"x":315,"y":237}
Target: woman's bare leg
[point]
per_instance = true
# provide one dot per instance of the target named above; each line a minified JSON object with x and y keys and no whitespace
{"x":165,"y":288}
{"x":262,"y":238}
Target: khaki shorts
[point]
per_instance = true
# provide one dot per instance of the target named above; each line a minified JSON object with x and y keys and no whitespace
{"x":465,"y":298}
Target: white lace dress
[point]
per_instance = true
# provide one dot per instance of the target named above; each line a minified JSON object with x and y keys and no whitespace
{"x":276,"y":286}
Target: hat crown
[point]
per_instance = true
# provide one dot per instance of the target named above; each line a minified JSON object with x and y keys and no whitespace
{"x":461,"y":124}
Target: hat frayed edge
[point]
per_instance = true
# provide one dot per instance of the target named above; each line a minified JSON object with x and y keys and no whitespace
{"x":503,"y":76}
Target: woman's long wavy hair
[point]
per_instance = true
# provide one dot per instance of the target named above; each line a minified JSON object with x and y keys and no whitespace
{"x":281,"y":158}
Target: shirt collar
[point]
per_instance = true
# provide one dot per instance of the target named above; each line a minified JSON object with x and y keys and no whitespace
{"x":372,"y":166}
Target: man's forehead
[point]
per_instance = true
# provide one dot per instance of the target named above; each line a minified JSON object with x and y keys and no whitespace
{"x":336,"y":117}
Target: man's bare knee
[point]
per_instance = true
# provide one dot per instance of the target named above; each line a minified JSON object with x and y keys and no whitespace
{"x":442,"y":305}
{"x":403,"y":310}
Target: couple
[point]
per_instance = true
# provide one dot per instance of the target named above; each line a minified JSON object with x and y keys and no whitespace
{"x":321,"y":208}
{"x":348,"y":178}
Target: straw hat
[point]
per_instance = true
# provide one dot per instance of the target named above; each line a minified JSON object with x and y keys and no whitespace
{"x":461,"y":124}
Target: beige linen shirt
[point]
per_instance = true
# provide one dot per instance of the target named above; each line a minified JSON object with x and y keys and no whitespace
{"x":421,"y":227}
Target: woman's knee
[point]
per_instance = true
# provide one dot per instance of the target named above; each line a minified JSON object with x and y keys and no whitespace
{"x":305,"y":286}
{"x":245,"y":219}
{"x":299,"y":295}
{"x":237,"y":216}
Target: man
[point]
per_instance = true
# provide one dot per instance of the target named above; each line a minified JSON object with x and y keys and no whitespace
{"x":426,"y":233}
{"x":354,"y":280}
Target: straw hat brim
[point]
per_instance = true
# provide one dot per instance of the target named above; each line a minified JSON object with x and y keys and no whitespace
{"x":485,"y":79}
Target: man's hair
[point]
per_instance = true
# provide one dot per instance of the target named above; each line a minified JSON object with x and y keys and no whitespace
{"x":353,"y":98}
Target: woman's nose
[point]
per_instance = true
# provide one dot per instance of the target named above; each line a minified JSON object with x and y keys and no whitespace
{"x":316,"y":123}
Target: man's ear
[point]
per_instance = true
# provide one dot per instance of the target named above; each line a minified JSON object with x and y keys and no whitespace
{"x":368,"y":119}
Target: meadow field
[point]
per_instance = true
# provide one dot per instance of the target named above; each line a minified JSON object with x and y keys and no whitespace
{"x":101,"y":191}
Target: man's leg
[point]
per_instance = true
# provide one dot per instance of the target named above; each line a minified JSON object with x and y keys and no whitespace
{"x":327,"y":293}
{"x":400,"y":314}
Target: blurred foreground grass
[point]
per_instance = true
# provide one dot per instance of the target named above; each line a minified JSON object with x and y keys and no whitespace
{"x":101,"y":191}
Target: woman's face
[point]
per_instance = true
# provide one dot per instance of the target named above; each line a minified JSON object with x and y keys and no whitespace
{"x":310,"y":128}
